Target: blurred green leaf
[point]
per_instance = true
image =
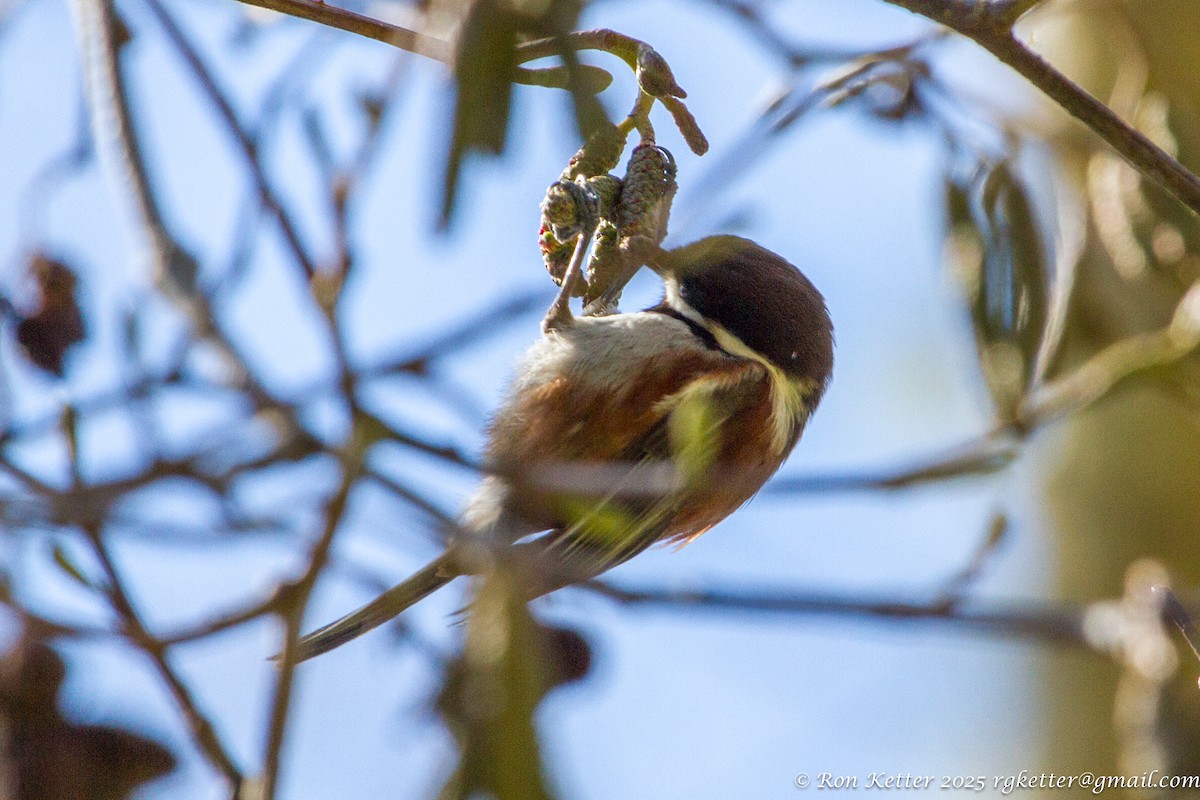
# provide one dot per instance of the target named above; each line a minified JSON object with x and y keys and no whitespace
{"x":590,"y":116}
{"x":994,"y":243}
{"x":483,"y":73}
{"x":491,"y":695}
{"x":67,"y":564}
{"x":486,"y":66}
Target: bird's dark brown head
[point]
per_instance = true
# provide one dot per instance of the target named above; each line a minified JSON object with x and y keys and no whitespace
{"x":758,"y":297}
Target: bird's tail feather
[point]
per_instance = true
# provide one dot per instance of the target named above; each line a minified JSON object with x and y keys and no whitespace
{"x":388,"y":605}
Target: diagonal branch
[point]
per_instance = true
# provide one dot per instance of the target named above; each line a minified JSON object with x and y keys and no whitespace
{"x":990,"y":26}
{"x":202,"y":729}
{"x":246,"y":143}
{"x":340,"y":18}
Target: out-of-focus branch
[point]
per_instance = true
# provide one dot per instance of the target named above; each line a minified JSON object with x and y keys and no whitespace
{"x":136,"y":631}
{"x":296,"y":597}
{"x":431,"y":46}
{"x":440,"y":50}
{"x":472,"y":330}
{"x":340,"y":18}
{"x":246,"y":144}
{"x":99,"y":33}
{"x":1178,"y":614}
{"x":1060,"y":623}
{"x":1091,"y":381}
{"x":989,"y":24}
{"x":416,"y":361}
{"x":431,"y":509}
{"x":753,"y":18}
{"x":1075,"y":624}
{"x":201,"y":727}
{"x":223,"y":622}
{"x":981,"y":457}
{"x":1112,"y":366}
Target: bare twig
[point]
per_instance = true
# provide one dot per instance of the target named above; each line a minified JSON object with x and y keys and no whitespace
{"x":954,"y":590}
{"x":340,"y":18}
{"x":295,"y":602}
{"x":246,"y":144}
{"x":470,"y":331}
{"x":989,"y":24}
{"x":203,"y":732}
{"x":796,"y":56}
{"x":431,"y":509}
{"x":431,"y":47}
{"x":574,"y":77}
{"x":1179,"y":615}
{"x":1058,"y":623}
{"x":100,"y":32}
{"x":202,"y":729}
{"x":222,"y":622}
{"x":1117,"y":363}
{"x":984,"y":456}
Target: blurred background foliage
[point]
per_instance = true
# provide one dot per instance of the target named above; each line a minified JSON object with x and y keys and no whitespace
{"x":278,"y":379}
{"x":1122,"y":475}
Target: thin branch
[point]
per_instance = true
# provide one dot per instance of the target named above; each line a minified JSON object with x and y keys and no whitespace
{"x":577,"y":77}
{"x":247,"y":145}
{"x":100,"y":32}
{"x":473,"y":330}
{"x":440,"y":50}
{"x":1053,"y":622}
{"x":30,"y":480}
{"x":1094,"y":379}
{"x":295,"y":602}
{"x":442,"y":517}
{"x":985,"y":456}
{"x":1177,"y":613}
{"x":990,"y":26}
{"x":202,"y":729}
{"x":414,"y":361}
{"x":1116,"y":364}
{"x":343,"y":184}
{"x":223,"y":622}
{"x":48,"y":627}
{"x":340,"y":18}
{"x":796,"y":57}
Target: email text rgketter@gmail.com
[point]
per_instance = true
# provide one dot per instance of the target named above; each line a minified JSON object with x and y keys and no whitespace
{"x":1004,"y":784}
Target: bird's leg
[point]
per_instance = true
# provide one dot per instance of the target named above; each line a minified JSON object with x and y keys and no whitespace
{"x":559,"y":315}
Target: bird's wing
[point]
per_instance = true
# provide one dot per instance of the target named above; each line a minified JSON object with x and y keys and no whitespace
{"x":611,"y":486}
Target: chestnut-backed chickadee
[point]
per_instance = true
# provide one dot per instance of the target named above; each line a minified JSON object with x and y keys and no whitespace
{"x":624,"y":430}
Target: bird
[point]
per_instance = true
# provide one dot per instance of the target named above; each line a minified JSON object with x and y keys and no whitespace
{"x":628,"y":429}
